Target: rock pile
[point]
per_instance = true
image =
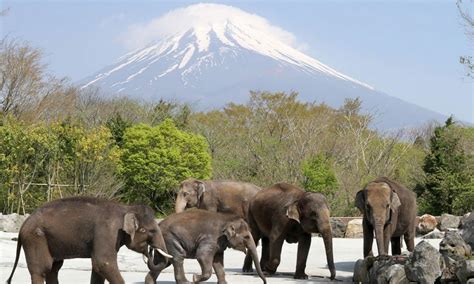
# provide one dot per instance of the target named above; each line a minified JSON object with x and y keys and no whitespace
{"x":11,"y":222}
{"x":452,"y":263}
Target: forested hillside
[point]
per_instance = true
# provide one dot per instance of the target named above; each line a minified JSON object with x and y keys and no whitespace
{"x":56,"y":141}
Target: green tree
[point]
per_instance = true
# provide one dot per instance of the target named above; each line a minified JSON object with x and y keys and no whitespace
{"x":449,"y":180}
{"x":155,"y":159}
{"x":318,"y":176}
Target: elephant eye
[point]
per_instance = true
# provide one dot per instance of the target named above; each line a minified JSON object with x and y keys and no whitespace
{"x":142,"y":230}
{"x":185,"y":193}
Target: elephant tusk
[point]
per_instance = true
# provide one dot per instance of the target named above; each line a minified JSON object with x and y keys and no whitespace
{"x":164,"y":253}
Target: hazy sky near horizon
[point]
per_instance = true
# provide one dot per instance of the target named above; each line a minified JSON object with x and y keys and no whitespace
{"x":407,"y":49}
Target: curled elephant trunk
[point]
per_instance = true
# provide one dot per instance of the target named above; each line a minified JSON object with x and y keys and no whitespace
{"x":252,"y":248}
{"x":157,"y":259}
{"x":180,"y":204}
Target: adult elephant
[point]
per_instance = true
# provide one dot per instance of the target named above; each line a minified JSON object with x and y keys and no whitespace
{"x":218,"y":196}
{"x":203,"y":235}
{"x":389,"y":209}
{"x":86,"y":227}
{"x":286,"y":212}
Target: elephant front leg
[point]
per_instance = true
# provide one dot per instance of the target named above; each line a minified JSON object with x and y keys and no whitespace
{"x":108,"y":268}
{"x":275,"y":245}
{"x":304,"y":243}
{"x":368,"y":231}
{"x":52,"y":276}
{"x":396,"y":245}
{"x":218,"y":265}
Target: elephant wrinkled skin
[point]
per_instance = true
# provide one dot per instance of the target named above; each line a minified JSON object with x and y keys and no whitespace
{"x":286,"y":212}
{"x":86,"y":227}
{"x":389,"y":209}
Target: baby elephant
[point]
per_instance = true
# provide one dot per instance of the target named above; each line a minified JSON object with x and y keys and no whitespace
{"x":86,"y":227}
{"x":202,"y":235}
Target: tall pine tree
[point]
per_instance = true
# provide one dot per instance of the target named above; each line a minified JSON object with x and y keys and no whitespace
{"x":448,"y":187}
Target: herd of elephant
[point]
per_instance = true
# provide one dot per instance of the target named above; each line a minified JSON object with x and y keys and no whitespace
{"x":225,"y":214}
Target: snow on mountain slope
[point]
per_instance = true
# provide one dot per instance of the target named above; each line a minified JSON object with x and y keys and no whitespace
{"x":217,"y":53}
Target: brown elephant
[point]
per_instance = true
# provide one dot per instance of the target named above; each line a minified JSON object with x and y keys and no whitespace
{"x":218,"y":196}
{"x":86,"y":227}
{"x":389,"y":209}
{"x":286,"y":212}
{"x":191,"y":234}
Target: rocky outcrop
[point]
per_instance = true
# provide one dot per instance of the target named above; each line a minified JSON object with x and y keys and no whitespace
{"x":467,"y":229}
{"x":425,"y":264}
{"x":354,"y":229}
{"x":338,"y":228}
{"x":448,"y":221}
{"x":12,"y":222}
{"x":426,"y":224}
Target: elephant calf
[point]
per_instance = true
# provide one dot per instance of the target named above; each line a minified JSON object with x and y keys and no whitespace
{"x":86,"y":227}
{"x":203,"y":235}
{"x":389,"y":209}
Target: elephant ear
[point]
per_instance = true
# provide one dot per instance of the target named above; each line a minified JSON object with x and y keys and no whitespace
{"x":229,"y":231}
{"x":292,"y":212}
{"x":395,"y":201}
{"x":360,"y":200}
{"x":130,"y":224}
{"x":200,"y":189}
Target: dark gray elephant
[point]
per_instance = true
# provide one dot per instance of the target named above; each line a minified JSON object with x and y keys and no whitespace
{"x":286,"y":212}
{"x":203,"y":235}
{"x":218,"y":196}
{"x":389,"y":209}
{"x":86,"y":227}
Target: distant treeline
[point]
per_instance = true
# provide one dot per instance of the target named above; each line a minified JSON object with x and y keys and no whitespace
{"x":57,"y":140}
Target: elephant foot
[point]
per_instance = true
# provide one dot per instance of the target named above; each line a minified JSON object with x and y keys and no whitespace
{"x":300,"y":276}
{"x":246,"y":269}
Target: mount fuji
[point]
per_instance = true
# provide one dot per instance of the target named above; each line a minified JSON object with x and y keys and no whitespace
{"x":220,"y":53}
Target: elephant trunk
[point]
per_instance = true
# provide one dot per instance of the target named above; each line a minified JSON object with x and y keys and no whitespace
{"x":180,"y":204}
{"x":379,"y":236}
{"x":326,"y":233}
{"x":252,"y":248}
{"x":157,"y":253}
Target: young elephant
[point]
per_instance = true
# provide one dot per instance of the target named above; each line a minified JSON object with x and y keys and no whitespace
{"x":203,"y":235}
{"x":86,"y":227}
{"x":390,"y":209}
{"x":286,"y":212}
{"x":218,"y":196}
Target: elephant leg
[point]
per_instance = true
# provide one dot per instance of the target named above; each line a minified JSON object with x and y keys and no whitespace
{"x":179,"y":275}
{"x":304,"y":243}
{"x":396,"y":249}
{"x":368,"y":231}
{"x":108,"y":268}
{"x":38,"y":258}
{"x":276,"y":244}
{"x":410,"y":240}
{"x":218,"y":265}
{"x":52,"y":276}
{"x":96,"y":278}
{"x":265,"y":253}
{"x":205,"y":261}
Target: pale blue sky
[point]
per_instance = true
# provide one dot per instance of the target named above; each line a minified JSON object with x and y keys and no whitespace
{"x":407,"y":49}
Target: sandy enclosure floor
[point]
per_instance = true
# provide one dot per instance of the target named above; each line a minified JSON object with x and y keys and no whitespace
{"x":346,"y":252}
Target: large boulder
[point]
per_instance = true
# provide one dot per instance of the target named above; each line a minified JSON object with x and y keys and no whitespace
{"x":454,"y":251}
{"x":467,"y":230}
{"x":436,"y":234}
{"x":426,"y":224}
{"x":361,"y":270}
{"x":354,"y":229}
{"x":338,"y":228}
{"x":12,"y":222}
{"x":464,"y":219}
{"x":425,"y":264}
{"x":448,"y":221}
{"x":388,"y":269}
{"x":466,"y":271}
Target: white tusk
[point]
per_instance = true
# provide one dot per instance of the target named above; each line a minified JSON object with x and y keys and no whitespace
{"x":164,"y":253}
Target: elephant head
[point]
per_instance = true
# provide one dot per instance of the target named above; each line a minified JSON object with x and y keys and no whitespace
{"x":239,"y":237}
{"x":379,"y":204}
{"x":143,"y":231}
{"x":312,"y":212}
{"x":189,"y":195}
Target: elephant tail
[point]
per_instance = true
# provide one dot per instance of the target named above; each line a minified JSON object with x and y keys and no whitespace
{"x":18,"y":249}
